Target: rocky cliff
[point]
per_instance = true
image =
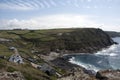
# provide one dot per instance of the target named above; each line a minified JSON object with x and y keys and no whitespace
{"x":85,"y":40}
{"x":82,"y":40}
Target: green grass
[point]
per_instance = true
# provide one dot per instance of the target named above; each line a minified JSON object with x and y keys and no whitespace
{"x":2,"y":64}
{"x":4,"y":34}
{"x":19,"y":32}
{"x":29,"y":72}
{"x":11,"y":69}
{"x":33,"y":35}
{"x":4,"y":51}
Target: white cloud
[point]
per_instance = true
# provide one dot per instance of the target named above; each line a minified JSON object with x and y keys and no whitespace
{"x":60,"y":21}
{"x":51,"y":21}
{"x":108,"y":27}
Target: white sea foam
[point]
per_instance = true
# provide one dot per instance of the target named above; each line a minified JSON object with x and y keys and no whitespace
{"x":113,"y":54}
{"x":111,"y":51}
{"x":84,"y":65}
{"x":113,"y":58}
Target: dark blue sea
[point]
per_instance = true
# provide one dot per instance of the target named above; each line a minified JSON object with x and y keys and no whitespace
{"x":108,"y":58}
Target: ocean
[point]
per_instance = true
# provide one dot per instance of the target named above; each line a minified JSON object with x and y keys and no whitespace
{"x":108,"y":58}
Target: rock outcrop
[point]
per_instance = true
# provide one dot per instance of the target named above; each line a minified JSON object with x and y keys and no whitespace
{"x":77,"y":74}
{"x":108,"y":75}
{"x":11,"y":76}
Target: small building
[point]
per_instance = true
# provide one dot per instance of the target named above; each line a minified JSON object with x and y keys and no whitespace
{"x":47,"y":69}
{"x":16,"y":58}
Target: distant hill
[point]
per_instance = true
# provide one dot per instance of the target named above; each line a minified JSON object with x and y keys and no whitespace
{"x":113,"y":33}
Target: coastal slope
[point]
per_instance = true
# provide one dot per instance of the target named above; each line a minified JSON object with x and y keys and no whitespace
{"x":35,"y":46}
{"x":81,"y":40}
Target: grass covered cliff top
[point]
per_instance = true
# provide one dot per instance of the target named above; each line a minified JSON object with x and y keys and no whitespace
{"x":78,"y":39}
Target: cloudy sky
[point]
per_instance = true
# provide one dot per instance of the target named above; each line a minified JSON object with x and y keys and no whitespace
{"x":47,"y":14}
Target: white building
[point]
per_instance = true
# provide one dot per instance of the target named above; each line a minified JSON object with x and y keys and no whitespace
{"x":16,"y":58}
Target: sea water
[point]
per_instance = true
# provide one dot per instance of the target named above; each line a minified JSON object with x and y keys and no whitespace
{"x":108,"y":58}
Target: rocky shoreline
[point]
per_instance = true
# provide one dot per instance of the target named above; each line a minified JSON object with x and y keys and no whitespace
{"x":75,"y":72}
{"x":51,"y":50}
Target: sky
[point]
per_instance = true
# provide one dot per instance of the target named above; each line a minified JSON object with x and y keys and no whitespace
{"x":49,"y":14}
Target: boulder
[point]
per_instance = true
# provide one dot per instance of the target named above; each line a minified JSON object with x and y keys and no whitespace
{"x":108,"y":75}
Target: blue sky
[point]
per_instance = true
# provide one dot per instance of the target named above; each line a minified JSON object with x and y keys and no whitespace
{"x":47,"y":14}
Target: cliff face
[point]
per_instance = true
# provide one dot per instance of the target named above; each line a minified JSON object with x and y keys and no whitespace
{"x":85,"y":40}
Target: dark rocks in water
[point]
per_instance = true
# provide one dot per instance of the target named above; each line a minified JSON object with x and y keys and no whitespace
{"x":115,"y":43}
{"x":108,"y":75}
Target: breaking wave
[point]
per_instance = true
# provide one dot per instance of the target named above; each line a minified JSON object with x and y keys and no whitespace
{"x":108,"y":58}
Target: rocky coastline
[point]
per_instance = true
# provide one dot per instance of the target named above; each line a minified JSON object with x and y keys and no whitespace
{"x":63,"y":63}
{"x":76,"y":72}
{"x":50,"y":51}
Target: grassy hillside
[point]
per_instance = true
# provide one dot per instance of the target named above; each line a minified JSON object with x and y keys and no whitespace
{"x":33,"y":43}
